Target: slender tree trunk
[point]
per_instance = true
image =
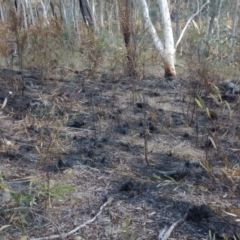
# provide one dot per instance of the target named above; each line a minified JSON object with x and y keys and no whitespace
{"x":169,"y":49}
{"x":235,"y":21}
{"x":24,"y":14}
{"x":109,"y":17}
{"x":212,"y":13}
{"x":75,"y":18}
{"x":207,"y":23}
{"x":44,"y":13}
{"x":167,"y":60}
{"x":2,"y":11}
{"x":31,"y":13}
{"x":87,"y":14}
{"x":178,"y":24}
{"x":69,"y":13}
{"x":101,"y":14}
{"x":94,"y":15}
{"x":63,"y":10}
{"x":117,"y":16}
{"x":218,"y":25}
{"x":126,"y":20}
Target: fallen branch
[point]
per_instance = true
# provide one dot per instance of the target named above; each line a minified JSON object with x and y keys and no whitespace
{"x":77,"y":228}
{"x":189,"y":21}
{"x":165,"y":234}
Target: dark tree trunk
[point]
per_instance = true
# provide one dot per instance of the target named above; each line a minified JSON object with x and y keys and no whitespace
{"x":53,"y":10}
{"x":126,"y":13}
{"x":86,"y":13}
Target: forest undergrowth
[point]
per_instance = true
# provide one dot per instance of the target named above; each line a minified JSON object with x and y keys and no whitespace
{"x":90,"y":151}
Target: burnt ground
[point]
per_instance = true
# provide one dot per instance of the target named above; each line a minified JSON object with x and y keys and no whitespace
{"x":89,"y":133}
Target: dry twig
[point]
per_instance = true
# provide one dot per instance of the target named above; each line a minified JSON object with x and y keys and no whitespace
{"x":77,"y":228}
{"x":165,"y":234}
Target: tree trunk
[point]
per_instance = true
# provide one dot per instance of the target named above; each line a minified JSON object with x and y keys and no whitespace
{"x":101,"y":14}
{"x":75,"y":18}
{"x":87,"y":13}
{"x":235,"y":21}
{"x":2,"y":11}
{"x":24,"y":14}
{"x":212,"y":13}
{"x":109,"y":17}
{"x":63,"y":10}
{"x":217,"y":24}
{"x":94,"y":14}
{"x":126,"y":21}
{"x":117,"y":17}
{"x":31,"y":13}
{"x":169,"y":49}
{"x":167,"y":52}
{"x":178,"y":25}
{"x":44,"y":13}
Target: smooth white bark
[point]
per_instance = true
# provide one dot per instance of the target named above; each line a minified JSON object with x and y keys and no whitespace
{"x":169,"y":49}
{"x":167,"y":27}
{"x":235,"y":21}
{"x":167,"y":52}
{"x":29,"y":5}
{"x":75,"y":18}
{"x":101,"y":13}
{"x":148,"y":24}
{"x":218,"y":25}
{"x":24,"y":14}
{"x":63,"y":9}
{"x":44,"y":13}
{"x":1,"y":11}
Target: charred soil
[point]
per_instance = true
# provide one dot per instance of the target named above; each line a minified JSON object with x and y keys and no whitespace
{"x":91,"y":132}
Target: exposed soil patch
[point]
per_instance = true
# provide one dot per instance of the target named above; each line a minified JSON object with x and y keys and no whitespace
{"x":89,"y":133}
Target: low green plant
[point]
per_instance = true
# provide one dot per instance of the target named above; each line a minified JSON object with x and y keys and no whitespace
{"x":127,"y":231}
{"x":207,"y":166}
{"x":22,"y":198}
{"x":217,"y":120}
{"x":47,"y":192}
{"x":211,"y":236}
{"x":170,"y":181}
{"x":20,"y":203}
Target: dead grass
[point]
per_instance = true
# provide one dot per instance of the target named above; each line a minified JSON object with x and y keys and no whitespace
{"x":109,"y":162}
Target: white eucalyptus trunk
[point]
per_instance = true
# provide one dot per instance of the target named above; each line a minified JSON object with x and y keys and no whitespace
{"x":29,"y":5}
{"x":64,"y":11}
{"x":169,"y":49}
{"x":101,"y":13}
{"x":94,"y":15}
{"x":117,"y":16}
{"x":44,"y":13}
{"x":2,"y":11}
{"x":207,"y":23}
{"x":235,"y":21}
{"x":110,"y":20}
{"x":218,"y":25}
{"x":24,"y":14}
{"x":167,"y":52}
{"x":75,"y":18}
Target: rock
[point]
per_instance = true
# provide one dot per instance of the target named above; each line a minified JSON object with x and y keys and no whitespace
{"x":229,"y":85}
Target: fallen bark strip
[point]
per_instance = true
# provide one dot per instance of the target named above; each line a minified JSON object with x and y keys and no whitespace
{"x":77,"y":228}
{"x":165,"y":234}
